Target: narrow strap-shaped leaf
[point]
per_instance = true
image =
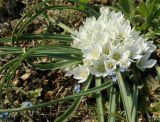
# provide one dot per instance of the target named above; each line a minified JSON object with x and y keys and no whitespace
{"x":25,"y":24}
{"x":86,"y":6}
{"x":10,"y":52}
{"x":8,"y":64}
{"x":10,"y":74}
{"x":62,"y":56}
{"x":57,"y":49}
{"x":43,"y":50}
{"x":128,"y":7}
{"x":134,"y":106}
{"x":51,"y":37}
{"x":3,"y":48}
{"x":112,"y":104}
{"x":100,"y":112}
{"x":84,"y":93}
{"x":143,"y":10}
{"x":59,"y":37}
{"x":5,"y":67}
{"x":5,"y":39}
{"x":125,"y":94}
{"x":56,"y":65}
{"x":29,"y":13}
{"x":75,"y":104}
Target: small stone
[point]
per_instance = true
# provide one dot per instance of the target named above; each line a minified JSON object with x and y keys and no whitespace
{"x":26,"y":76}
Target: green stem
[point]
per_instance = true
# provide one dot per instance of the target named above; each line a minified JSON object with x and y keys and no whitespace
{"x":100,"y":112}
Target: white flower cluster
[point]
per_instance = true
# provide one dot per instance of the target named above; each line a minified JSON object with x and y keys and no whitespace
{"x":108,"y":43}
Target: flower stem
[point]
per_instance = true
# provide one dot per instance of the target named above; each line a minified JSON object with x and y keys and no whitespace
{"x":99,"y":102}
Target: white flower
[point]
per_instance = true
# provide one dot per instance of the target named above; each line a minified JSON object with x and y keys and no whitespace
{"x":109,"y":42}
{"x":134,"y":51}
{"x":81,"y":73}
{"x":104,"y":11}
{"x":92,"y":52}
{"x":98,"y":68}
{"x":151,"y":47}
{"x":87,"y":61}
{"x":110,"y":65}
{"x":116,"y":53}
{"x":145,"y":62}
{"x":68,"y":70}
{"x":107,"y":47}
{"x":125,"y":60}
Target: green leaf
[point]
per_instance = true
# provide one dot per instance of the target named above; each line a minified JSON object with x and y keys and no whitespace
{"x":83,"y":1}
{"x":112,"y":104}
{"x":5,"y":50}
{"x":5,"y":67}
{"x":51,"y":37}
{"x":6,"y":39}
{"x":85,"y":6}
{"x":143,"y":10}
{"x":56,"y":65}
{"x":16,"y":35}
{"x":153,"y":34}
{"x":84,"y":93}
{"x":128,"y":7}
{"x":126,"y":96}
{"x":11,"y":73}
{"x":57,"y":50}
{"x":75,"y":104}
{"x":134,"y":106}
{"x":28,"y":14}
